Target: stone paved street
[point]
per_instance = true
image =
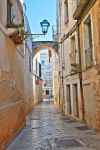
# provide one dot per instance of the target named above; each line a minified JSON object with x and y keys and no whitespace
{"x":48,"y":129}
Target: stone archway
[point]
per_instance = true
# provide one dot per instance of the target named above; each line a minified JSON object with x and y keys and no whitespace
{"x":53,"y":46}
{"x":39,"y":45}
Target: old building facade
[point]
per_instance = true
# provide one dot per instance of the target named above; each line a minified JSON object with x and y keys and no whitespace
{"x":79,"y":55}
{"x":14,"y":101}
{"x":69,"y":61}
{"x":28,"y":67}
{"x":87,"y":13}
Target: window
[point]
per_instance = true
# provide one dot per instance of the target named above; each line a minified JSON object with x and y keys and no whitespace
{"x":88,"y":42}
{"x":8,"y":12}
{"x":36,"y":64}
{"x":47,"y":92}
{"x":73,"y":44}
{"x":66,"y":17}
{"x":76,"y":101}
{"x":30,"y":64}
{"x":39,"y":70}
{"x":69,"y":98}
{"x":73,"y":50}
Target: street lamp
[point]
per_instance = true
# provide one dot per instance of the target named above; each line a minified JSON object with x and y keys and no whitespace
{"x":45,"y":26}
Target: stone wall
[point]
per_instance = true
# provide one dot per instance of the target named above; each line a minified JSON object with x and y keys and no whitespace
{"x":12,"y":119}
{"x":91,"y":75}
{"x":14,"y":106}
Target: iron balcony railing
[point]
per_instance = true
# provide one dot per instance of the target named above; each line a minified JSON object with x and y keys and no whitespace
{"x":55,"y":33}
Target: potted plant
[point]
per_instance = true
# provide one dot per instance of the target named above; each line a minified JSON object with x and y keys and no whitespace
{"x":23,"y":33}
{"x":20,"y":35}
{"x":17,"y":38}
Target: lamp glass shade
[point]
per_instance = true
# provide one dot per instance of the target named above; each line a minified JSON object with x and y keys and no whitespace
{"x":44,"y":25}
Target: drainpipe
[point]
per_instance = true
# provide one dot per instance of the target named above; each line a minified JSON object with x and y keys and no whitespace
{"x":62,"y":91}
{"x":63,"y":101}
{"x":80,"y":74}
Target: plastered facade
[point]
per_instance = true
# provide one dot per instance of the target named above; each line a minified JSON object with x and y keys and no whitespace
{"x":86,"y":78}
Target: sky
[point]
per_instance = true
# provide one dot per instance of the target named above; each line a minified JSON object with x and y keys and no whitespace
{"x":37,"y":11}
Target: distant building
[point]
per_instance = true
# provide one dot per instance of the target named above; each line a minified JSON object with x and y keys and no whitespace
{"x":37,"y":80}
{"x":87,"y":13}
{"x":47,"y":70}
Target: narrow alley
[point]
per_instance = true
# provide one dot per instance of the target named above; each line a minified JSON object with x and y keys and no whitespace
{"x":49,"y":74}
{"x":47,"y":129}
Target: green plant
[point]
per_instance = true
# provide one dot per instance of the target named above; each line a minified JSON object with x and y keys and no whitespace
{"x":45,"y":84}
{"x":22,"y":32}
{"x":14,"y":25}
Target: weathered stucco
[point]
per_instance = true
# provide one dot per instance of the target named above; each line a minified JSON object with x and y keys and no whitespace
{"x":91,"y":76}
{"x":13,"y":104}
{"x":90,"y":87}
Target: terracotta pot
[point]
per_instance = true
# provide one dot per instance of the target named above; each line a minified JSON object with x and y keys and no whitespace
{"x":17,"y":39}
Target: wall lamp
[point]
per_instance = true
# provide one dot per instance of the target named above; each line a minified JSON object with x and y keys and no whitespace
{"x":45,"y":26}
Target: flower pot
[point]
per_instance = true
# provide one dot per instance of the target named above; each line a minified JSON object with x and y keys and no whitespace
{"x":17,"y":39}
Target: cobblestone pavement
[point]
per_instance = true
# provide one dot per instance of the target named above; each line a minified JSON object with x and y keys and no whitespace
{"x":47,"y":129}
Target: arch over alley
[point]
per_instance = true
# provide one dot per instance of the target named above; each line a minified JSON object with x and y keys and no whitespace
{"x":39,"y":45}
{"x":53,"y":47}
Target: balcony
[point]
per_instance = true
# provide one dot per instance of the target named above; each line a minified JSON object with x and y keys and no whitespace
{"x":81,"y":5}
{"x":55,"y":33}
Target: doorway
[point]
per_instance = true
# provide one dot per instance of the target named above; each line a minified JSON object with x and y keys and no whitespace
{"x":75,"y":97}
{"x":68,"y":99}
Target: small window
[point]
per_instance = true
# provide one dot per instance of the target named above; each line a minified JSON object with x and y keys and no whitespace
{"x":88,"y":42}
{"x":30,"y":65}
{"x":73,"y":50}
{"x":36,"y":64}
{"x":8,"y":12}
{"x":73,"y":44}
{"x":66,"y":16}
{"x":39,"y":70}
{"x":47,"y":92}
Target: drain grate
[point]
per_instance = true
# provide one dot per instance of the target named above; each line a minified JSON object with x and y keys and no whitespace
{"x":34,"y":119}
{"x":68,"y":143}
{"x":70,"y":121}
{"x":35,"y":128}
{"x":67,"y":120}
{"x":82,"y":128}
